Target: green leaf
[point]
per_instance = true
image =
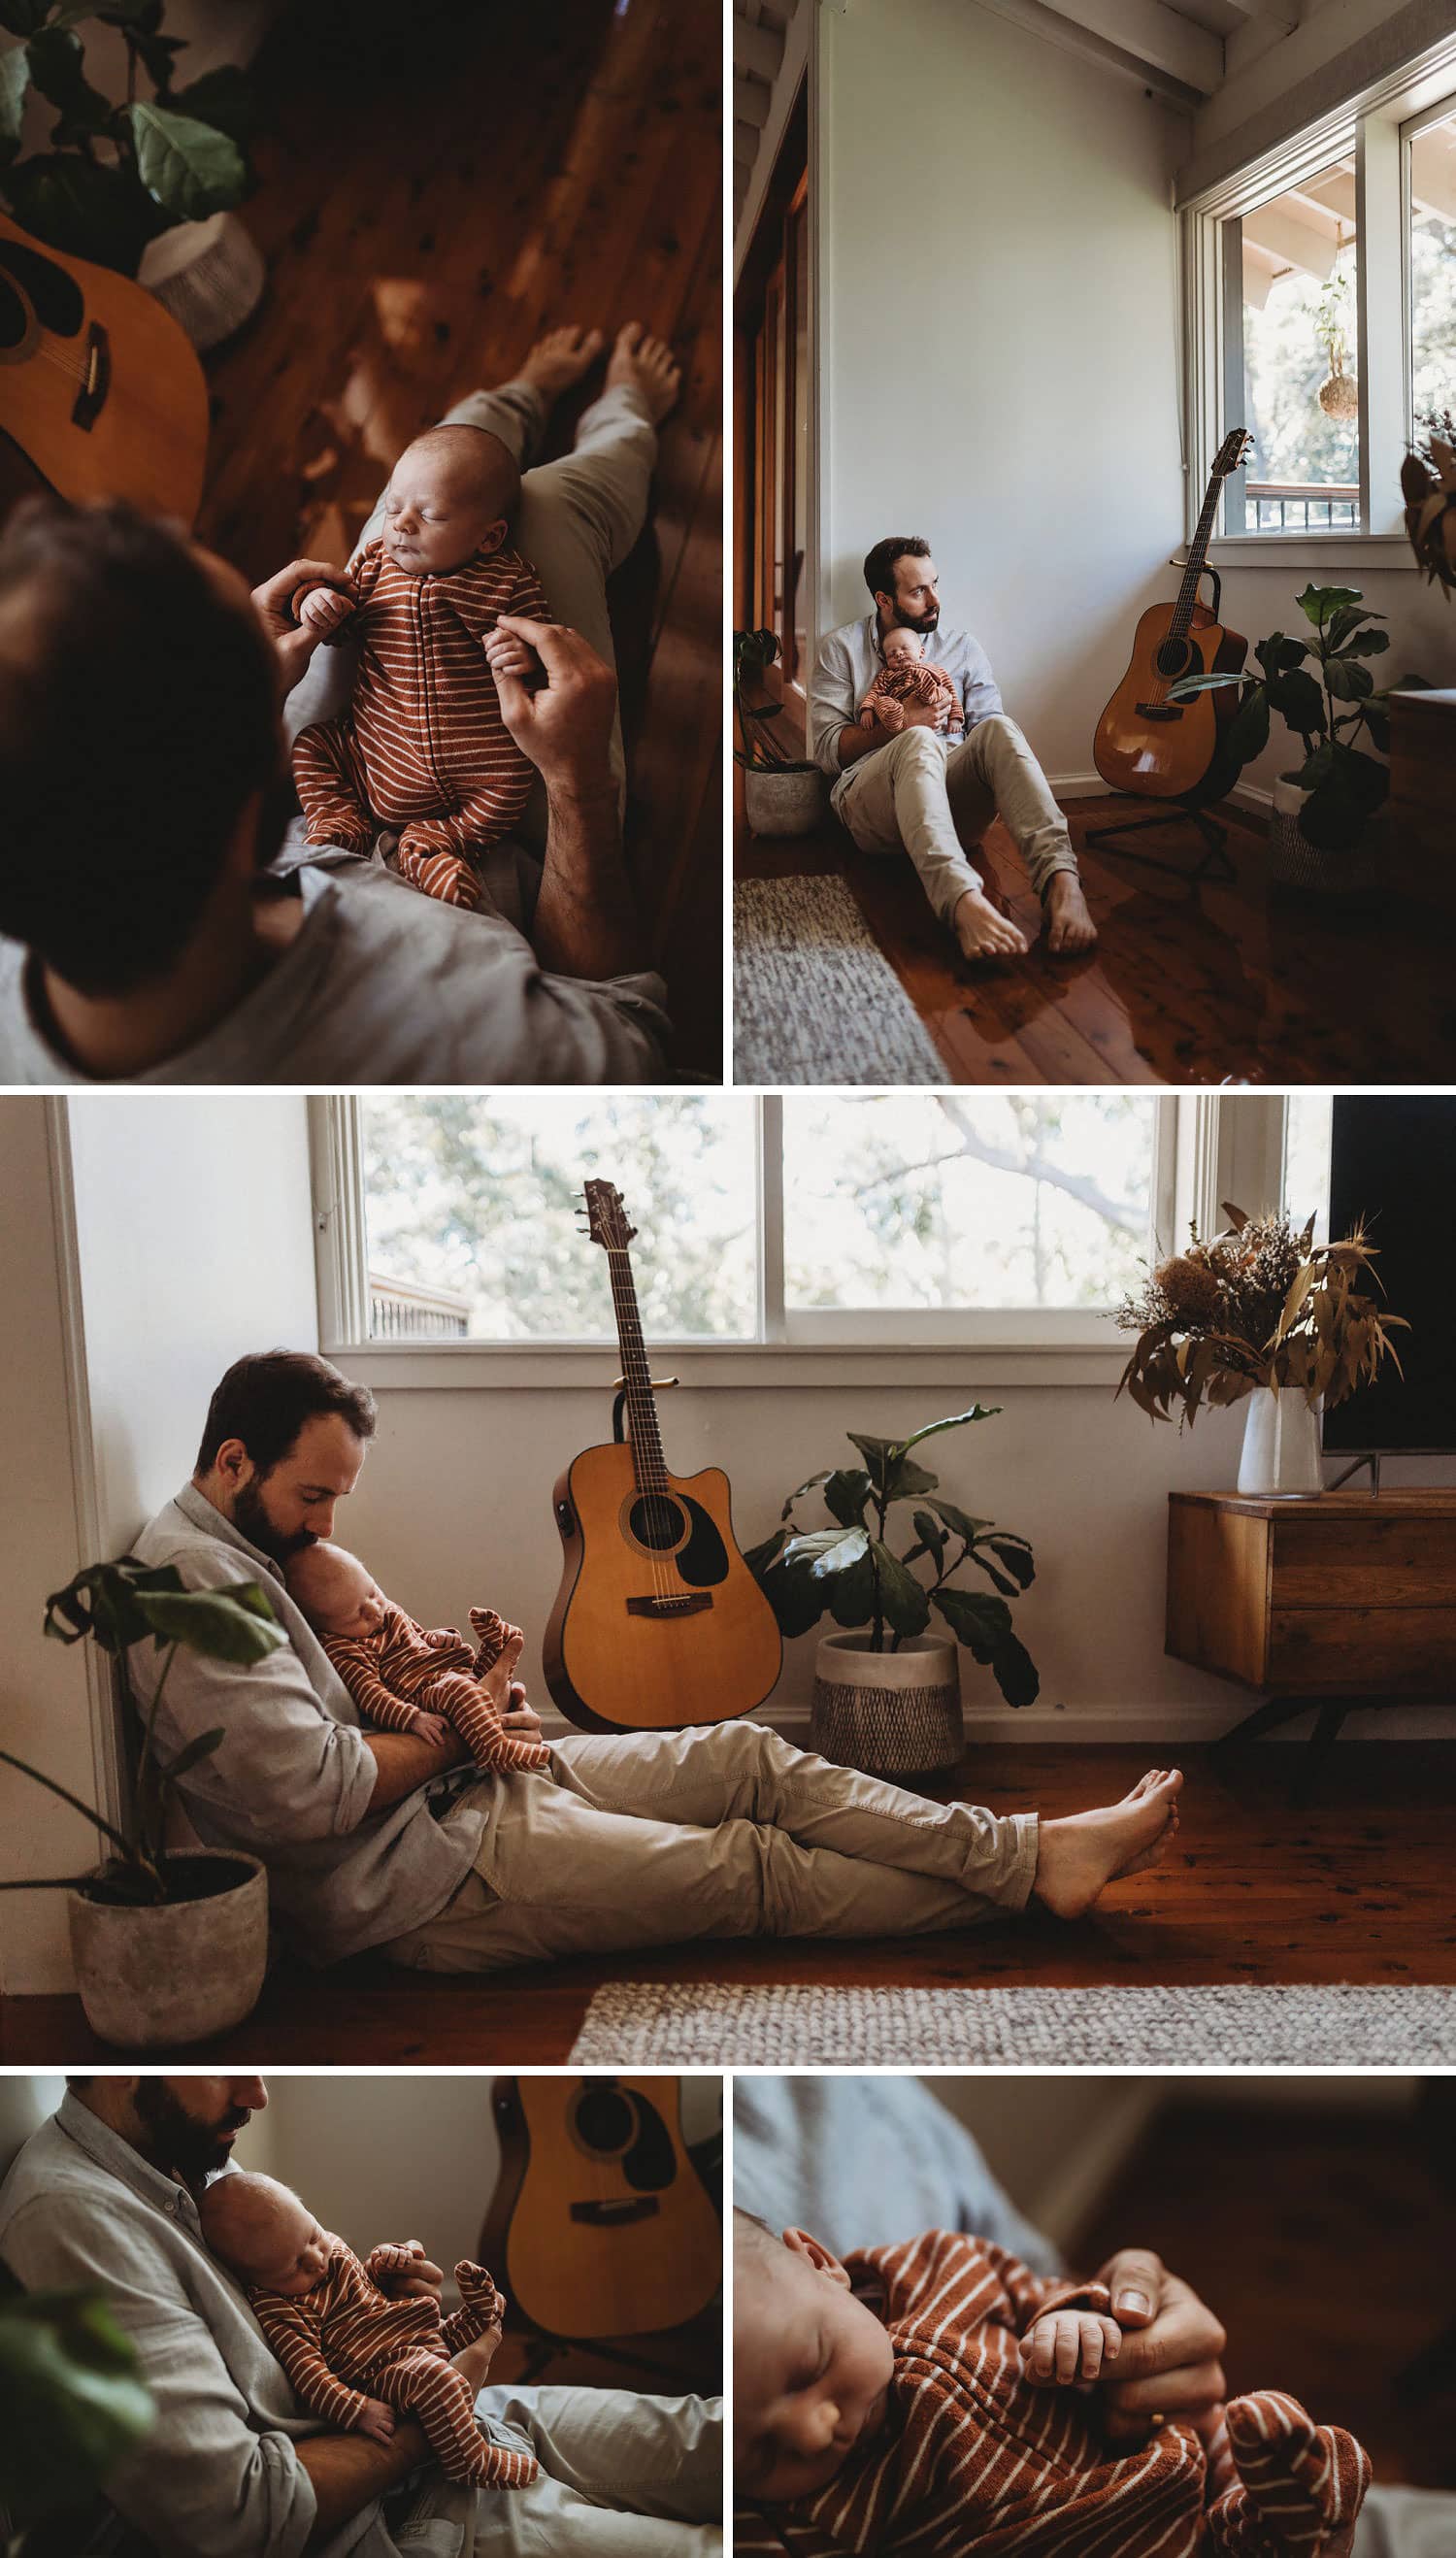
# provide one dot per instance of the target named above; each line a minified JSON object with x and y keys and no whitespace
{"x":933,"y":1537}
{"x":1318,"y":603}
{"x":1316,"y":768}
{"x":838,"y":1549}
{"x":892,"y":1477}
{"x":83,"y":208}
{"x":202,"y":1747}
{"x":190,"y":169}
{"x":219,"y":1623}
{"x":224,"y":98}
{"x":852,"y":1594}
{"x":984,"y":1626}
{"x":1299,"y":702}
{"x":15,"y":80}
{"x":959,"y":1521}
{"x":1248,"y":732}
{"x":759,"y":1557}
{"x":999,"y":1580}
{"x":1349,"y":617}
{"x":1366,"y":643}
{"x":954,"y":1421}
{"x":1015,"y":1673}
{"x":810,"y":1486}
{"x":1348,"y":680}
{"x":845,"y":1493}
{"x":1187,"y":686}
{"x":1015,"y":1553}
{"x":906,"y":1607}
{"x":73,"y":2398}
{"x":56,"y":59}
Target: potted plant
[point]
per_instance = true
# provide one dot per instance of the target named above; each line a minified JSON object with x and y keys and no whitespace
{"x":781,"y":797}
{"x":74,"y":2405}
{"x":169,"y":1947}
{"x":887,"y":1693}
{"x":146,"y":185}
{"x":1428,"y":486}
{"x":1319,"y":829}
{"x":1259,"y":1307}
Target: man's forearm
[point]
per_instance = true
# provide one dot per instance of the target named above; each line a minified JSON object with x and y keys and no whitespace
{"x":404,"y":1763}
{"x":856,"y":741}
{"x":348,"y":2471}
{"x":586,"y":923}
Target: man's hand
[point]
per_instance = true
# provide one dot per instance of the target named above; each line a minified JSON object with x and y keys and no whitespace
{"x":378,"y":2421}
{"x":1170,"y":2358}
{"x":520,"y":1716}
{"x":565,"y":724}
{"x":423,"y":2281}
{"x":293,"y":642}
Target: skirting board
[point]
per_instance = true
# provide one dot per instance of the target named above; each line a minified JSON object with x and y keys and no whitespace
{"x":1096,"y":1726}
{"x":1090,"y":785}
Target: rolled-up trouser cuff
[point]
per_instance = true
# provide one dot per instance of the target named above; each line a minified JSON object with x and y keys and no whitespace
{"x":1021,"y":1861}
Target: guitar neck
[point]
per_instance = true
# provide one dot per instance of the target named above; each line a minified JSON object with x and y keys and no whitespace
{"x":648,"y":1461}
{"x":1198,"y":551}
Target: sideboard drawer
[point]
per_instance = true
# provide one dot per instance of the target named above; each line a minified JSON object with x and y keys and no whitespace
{"x":1328,"y":1651}
{"x":1368,"y":1562}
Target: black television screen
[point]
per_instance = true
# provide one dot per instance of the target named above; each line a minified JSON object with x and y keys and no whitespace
{"x":1393,"y":1164}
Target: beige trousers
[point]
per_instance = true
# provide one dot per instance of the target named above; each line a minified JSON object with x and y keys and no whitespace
{"x":652,"y":1838}
{"x":932,"y":800}
{"x":621,"y":2476}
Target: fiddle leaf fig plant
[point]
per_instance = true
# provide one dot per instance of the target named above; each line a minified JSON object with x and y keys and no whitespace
{"x":118,"y":1604}
{"x":74,"y":2399}
{"x":853,"y":1573}
{"x":118,"y":171}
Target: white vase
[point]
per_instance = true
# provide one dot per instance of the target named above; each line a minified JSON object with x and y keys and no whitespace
{"x":210,"y":275}
{"x":1281,"y":1456}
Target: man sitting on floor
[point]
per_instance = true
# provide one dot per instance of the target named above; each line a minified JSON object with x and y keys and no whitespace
{"x":390,"y":1839}
{"x":105,"y":2197}
{"x":144,"y":783}
{"x":911,"y":791}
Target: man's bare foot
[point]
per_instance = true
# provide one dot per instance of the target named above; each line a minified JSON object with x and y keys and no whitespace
{"x":1078,"y":1857}
{"x":984,"y":934}
{"x":560,"y":358}
{"x":1068,"y":923}
{"x":649,"y":364}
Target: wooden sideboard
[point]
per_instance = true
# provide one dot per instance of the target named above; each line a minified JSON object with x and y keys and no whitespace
{"x":1340,"y":1600}
{"x":1424,"y":793}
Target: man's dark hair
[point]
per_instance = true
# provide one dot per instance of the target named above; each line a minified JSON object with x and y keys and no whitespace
{"x":879,"y":564}
{"x":265,"y":1400}
{"x":138,"y":715}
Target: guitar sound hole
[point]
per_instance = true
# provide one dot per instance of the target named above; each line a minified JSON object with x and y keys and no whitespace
{"x":1176,"y":657}
{"x":605,"y":2120}
{"x":656,"y":1522}
{"x":14,"y":317}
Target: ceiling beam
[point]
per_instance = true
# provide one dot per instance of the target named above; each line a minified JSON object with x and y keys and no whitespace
{"x":1155,"y":35}
{"x":1271,"y":13}
{"x":757,"y":49}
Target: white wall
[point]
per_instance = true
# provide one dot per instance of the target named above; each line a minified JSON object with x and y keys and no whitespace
{"x":997,"y":334}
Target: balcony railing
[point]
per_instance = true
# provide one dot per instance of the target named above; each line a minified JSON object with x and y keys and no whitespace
{"x":1301,"y":507}
{"x":401,"y":1311}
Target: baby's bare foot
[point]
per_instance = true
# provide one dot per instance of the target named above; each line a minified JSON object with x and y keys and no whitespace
{"x":984,"y":934}
{"x":650,"y":365}
{"x":1078,"y":1857}
{"x":560,"y":358}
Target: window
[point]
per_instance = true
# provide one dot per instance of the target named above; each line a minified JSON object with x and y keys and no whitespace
{"x":1291,"y":299}
{"x":1430,"y":195}
{"x":1307,"y":1159}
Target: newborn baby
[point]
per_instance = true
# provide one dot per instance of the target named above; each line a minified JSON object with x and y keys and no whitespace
{"x":901,"y":2402}
{"x":403,"y":1678}
{"x":424,"y":744}
{"x":353,"y":2355}
{"x":907,"y":676}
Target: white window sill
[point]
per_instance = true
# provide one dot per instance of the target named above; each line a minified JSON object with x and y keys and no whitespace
{"x":1307,"y":550}
{"x":475,"y":1368}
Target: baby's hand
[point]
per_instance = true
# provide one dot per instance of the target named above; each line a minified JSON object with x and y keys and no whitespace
{"x":432,"y":1728}
{"x":325,"y":609}
{"x":378,"y":2421}
{"x":1066,"y":2346}
{"x":510,"y":655}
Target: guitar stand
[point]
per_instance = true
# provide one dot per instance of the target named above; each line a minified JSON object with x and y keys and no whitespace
{"x":1213,"y":864}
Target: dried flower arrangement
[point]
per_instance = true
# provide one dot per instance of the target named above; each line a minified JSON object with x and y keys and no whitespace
{"x":1259,"y":1305}
{"x":1428,"y":486}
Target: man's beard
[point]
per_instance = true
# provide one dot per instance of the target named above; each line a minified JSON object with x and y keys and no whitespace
{"x":250,"y":1515}
{"x":910,"y":622}
{"x":183,"y":2147}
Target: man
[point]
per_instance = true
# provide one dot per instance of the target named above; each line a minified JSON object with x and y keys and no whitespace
{"x":105,"y":2197}
{"x":910,"y":791}
{"x":385,"y":1839}
{"x":144,"y":781}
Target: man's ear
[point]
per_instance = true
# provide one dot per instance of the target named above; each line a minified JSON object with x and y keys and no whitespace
{"x":801,"y":2242}
{"x":495,"y":535}
{"x":233,"y":1462}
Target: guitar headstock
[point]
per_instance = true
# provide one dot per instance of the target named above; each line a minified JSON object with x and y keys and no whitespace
{"x":1234,"y":452}
{"x":606,"y":1218}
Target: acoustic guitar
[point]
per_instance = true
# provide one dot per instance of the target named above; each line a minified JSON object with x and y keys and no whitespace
{"x":659,"y":1622}
{"x":1146,"y":744}
{"x":600,"y":2225}
{"x":101,"y":395}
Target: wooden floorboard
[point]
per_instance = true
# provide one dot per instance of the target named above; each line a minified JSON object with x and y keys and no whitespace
{"x":1324,"y":2242}
{"x":1225,"y":983}
{"x":426,"y":208}
{"x":1357,"y":1886}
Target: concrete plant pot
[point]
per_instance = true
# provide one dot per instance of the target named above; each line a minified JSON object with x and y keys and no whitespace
{"x":891,"y":1714}
{"x":174,"y":1971}
{"x":783,"y":800}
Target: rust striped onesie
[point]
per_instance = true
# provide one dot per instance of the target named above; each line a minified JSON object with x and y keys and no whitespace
{"x":402,"y":1670}
{"x":422,"y":744}
{"x":911,"y":679}
{"x":345,"y":2341}
{"x":973,"y":2456}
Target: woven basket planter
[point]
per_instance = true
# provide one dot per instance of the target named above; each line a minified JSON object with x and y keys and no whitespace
{"x":1294,"y":862}
{"x":210,"y":275}
{"x":891,"y":1714}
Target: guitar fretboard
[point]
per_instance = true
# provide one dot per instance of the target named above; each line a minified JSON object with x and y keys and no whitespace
{"x":1197,"y":554}
{"x":648,"y":1461}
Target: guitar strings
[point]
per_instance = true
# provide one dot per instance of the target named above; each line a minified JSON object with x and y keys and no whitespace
{"x":629,"y":1332}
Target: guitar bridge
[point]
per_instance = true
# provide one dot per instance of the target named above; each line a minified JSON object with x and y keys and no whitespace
{"x":675,"y":1603}
{"x":1160,"y":710}
{"x":91,"y":399}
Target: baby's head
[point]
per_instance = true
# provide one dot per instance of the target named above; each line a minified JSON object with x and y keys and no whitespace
{"x":811,"y":2365}
{"x":264,"y":2234}
{"x":449,"y":495}
{"x":898,"y":644}
{"x":334,"y":1590}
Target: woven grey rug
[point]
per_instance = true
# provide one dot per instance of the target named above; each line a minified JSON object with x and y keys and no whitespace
{"x":658,"y":2024}
{"x":815,"y":999}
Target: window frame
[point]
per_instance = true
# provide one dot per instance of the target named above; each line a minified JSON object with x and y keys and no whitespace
{"x":1376,"y":123}
{"x":1209,"y":1147}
